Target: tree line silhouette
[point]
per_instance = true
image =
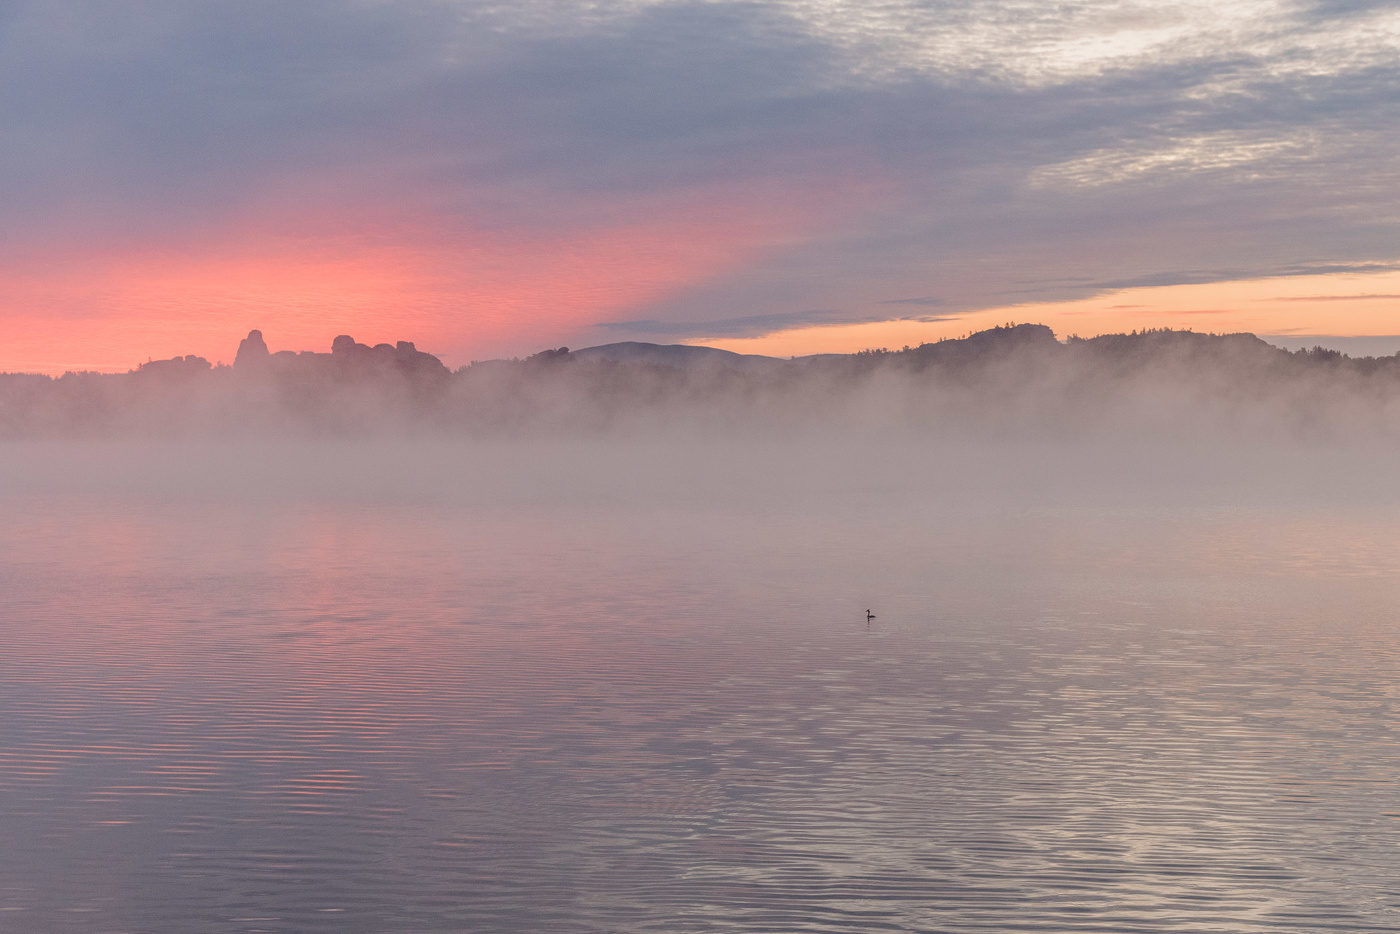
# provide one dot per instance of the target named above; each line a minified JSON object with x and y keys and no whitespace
{"x":1017,"y":377}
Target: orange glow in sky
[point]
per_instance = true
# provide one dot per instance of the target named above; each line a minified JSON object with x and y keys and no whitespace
{"x":474,"y":294}
{"x":1336,"y":304}
{"x":460,"y":294}
{"x":492,"y":179}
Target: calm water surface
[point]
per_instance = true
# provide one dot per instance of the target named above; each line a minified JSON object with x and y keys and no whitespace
{"x":371,"y":713}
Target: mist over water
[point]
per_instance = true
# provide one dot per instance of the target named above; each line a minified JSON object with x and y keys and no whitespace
{"x":624,"y":680}
{"x":1014,"y":383}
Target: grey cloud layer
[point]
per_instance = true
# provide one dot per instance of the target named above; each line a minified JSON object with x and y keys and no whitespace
{"x":752,"y":325}
{"x":1028,"y":151}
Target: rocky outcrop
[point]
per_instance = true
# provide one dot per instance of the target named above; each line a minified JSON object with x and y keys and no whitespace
{"x":353,"y":358}
{"x":252,"y":352}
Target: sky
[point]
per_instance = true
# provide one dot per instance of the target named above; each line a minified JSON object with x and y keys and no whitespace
{"x":792,"y":176}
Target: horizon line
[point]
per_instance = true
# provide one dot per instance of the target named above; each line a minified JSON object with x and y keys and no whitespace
{"x":1271,"y":339}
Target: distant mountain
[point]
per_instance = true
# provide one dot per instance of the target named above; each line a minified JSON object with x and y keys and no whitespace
{"x":990,"y":343}
{"x":677,"y":356}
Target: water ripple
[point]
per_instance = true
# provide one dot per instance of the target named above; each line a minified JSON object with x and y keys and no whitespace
{"x":418,"y":721}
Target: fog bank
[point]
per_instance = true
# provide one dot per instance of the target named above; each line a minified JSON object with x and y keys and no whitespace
{"x":1010,"y":384}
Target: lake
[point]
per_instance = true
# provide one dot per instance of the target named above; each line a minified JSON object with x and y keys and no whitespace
{"x":585,"y":687}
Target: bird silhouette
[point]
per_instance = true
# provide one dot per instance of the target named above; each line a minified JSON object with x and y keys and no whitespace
{"x":869,"y":616}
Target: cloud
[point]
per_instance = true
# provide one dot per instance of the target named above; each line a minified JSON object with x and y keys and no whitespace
{"x":1206,"y":276}
{"x":761,"y":325}
{"x":995,"y":152}
{"x":924,"y":300}
{"x":749,"y":326}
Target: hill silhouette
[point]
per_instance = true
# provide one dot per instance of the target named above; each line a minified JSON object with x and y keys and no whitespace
{"x":677,"y":356}
{"x":1012,"y":379}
